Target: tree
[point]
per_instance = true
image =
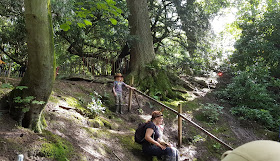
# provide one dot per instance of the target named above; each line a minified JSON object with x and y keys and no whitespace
{"x":259,"y":40}
{"x":27,"y":101}
{"x":142,"y":49}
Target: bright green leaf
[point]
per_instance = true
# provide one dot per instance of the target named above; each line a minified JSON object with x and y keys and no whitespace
{"x":81,"y":14}
{"x":81,"y":25}
{"x":38,"y":102}
{"x":115,"y":13}
{"x":28,"y":99}
{"x":6,"y":85}
{"x":113,"y":21}
{"x":118,"y":10}
{"x":101,"y":6}
{"x":91,"y":15}
{"x":65,"y":27}
{"x":87,"y":22}
{"x":111,"y":2}
{"x":21,"y":87}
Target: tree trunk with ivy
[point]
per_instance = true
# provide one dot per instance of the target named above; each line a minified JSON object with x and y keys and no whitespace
{"x":27,"y":101}
{"x":142,"y":49}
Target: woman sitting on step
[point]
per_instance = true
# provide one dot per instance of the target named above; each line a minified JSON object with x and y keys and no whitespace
{"x":152,"y":145}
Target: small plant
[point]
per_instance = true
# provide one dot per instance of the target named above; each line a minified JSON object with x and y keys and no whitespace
{"x":96,"y":105}
{"x":198,"y":138}
{"x":140,"y":110}
{"x":26,"y":100}
{"x":211,"y":112}
{"x":7,"y":85}
{"x":217,"y":146}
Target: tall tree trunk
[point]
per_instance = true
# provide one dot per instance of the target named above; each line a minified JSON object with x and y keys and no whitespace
{"x":40,"y":68}
{"x":142,"y":50}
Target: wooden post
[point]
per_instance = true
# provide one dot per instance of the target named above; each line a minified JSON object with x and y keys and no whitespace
{"x":9,"y":72}
{"x":179,"y":126}
{"x":130,"y":94}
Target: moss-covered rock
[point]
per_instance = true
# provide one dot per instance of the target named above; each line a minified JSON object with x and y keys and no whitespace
{"x":56,"y":147}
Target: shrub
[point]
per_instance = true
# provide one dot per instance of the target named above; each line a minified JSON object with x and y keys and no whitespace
{"x":211,"y":112}
{"x":249,"y":88}
{"x":249,"y":95}
{"x":259,"y":115}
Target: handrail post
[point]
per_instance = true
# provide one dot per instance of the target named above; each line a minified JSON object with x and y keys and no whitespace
{"x":130,"y":94}
{"x":179,"y":126}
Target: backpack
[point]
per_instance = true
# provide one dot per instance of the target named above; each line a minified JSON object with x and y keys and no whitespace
{"x":140,"y":132}
{"x":139,"y":135}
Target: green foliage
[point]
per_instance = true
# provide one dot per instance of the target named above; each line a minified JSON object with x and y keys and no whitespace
{"x":7,"y":85}
{"x":217,"y":146}
{"x":198,"y":138}
{"x":260,"y":115}
{"x":211,"y":112}
{"x":56,"y":147}
{"x":84,"y":13}
{"x":259,"y":42}
{"x":38,"y":102}
{"x":26,"y":100}
{"x":23,"y":100}
{"x":21,"y":87}
{"x":249,"y":88}
{"x":249,"y":95}
{"x":113,"y":21}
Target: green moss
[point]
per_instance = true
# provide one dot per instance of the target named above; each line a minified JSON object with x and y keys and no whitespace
{"x":43,"y":121}
{"x":92,"y":132}
{"x":100,"y":122}
{"x":106,"y":122}
{"x":96,"y":123}
{"x":154,"y":80}
{"x":56,"y":147}
{"x":128,"y":142}
{"x":73,"y":102}
{"x":53,"y":99}
{"x":99,"y":133}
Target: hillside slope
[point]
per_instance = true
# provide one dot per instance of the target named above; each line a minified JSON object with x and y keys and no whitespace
{"x":74,"y":134}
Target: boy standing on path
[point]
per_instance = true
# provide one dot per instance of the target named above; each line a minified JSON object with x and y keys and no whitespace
{"x":117,"y":90}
